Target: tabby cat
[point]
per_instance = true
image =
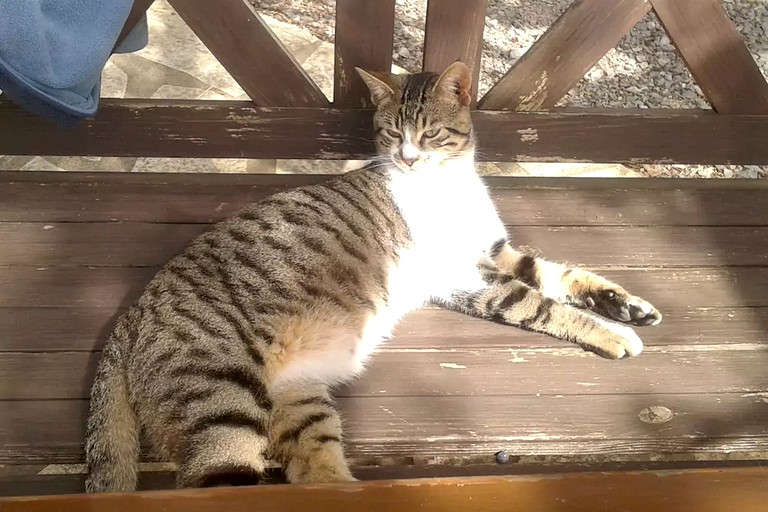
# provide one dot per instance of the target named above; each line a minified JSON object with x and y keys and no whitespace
{"x":228,"y":356}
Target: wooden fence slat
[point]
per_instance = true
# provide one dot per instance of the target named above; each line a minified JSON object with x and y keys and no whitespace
{"x":364,"y":35}
{"x":223,"y":129}
{"x":454,"y":31}
{"x":244,"y":44}
{"x":716,"y":55}
{"x":559,"y":59}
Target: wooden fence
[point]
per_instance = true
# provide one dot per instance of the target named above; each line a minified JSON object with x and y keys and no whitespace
{"x":289,"y":117}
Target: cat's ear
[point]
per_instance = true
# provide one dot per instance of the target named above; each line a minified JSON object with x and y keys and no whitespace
{"x":455,"y":83}
{"x":381,"y":91}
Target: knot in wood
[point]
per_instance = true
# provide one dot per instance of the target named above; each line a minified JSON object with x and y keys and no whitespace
{"x":655,"y":414}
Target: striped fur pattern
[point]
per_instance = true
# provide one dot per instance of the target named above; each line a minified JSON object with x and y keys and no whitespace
{"x":229,"y":356}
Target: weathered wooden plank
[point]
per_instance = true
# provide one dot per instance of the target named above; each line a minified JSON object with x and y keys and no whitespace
{"x":30,"y":483}
{"x":152,"y":244}
{"x":90,"y":287}
{"x":469,"y":428}
{"x":205,"y":129}
{"x":84,"y":329}
{"x":652,"y":246}
{"x":445,"y":371}
{"x":709,"y":490}
{"x":111,"y":287}
{"x":97,"y":244}
{"x":703,"y":490}
{"x":197,"y":198}
{"x":560,"y":58}
{"x":454,"y":31}
{"x":138,"y":10}
{"x":364,"y":35}
{"x":714,"y":51}
{"x":184,"y":199}
{"x":244,"y":44}
{"x":51,"y":485}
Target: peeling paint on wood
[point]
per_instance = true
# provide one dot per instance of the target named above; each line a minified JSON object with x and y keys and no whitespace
{"x":453,"y":366}
{"x":169,"y":128}
{"x":528,"y":135}
{"x":536,"y":99}
{"x":561,"y":56}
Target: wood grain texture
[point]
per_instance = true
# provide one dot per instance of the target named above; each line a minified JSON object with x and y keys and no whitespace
{"x":194,"y":198}
{"x":449,"y":429}
{"x":24,"y":480}
{"x":65,"y":329}
{"x":712,"y":490}
{"x":96,"y":244}
{"x":207,"y":129}
{"x":561,"y":57}
{"x":716,"y":55}
{"x":152,"y":244}
{"x":700,"y":490}
{"x":51,"y":197}
{"x":454,"y":31}
{"x":364,"y":34}
{"x":447,"y":371}
{"x":113,"y":287}
{"x":449,"y":389}
{"x":246,"y":47}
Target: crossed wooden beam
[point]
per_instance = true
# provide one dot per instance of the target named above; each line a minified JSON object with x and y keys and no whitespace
{"x":289,"y":117}
{"x":706,"y":38}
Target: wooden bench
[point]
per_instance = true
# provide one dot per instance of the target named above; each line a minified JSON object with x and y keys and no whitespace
{"x":448,"y":391}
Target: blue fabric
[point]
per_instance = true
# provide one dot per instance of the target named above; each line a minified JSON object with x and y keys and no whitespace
{"x":52,"y":53}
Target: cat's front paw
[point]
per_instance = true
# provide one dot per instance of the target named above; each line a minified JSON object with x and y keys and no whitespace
{"x":614,"y":341}
{"x":620,"y":306}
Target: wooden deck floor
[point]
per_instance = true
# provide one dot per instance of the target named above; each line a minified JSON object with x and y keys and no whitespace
{"x":448,"y":391}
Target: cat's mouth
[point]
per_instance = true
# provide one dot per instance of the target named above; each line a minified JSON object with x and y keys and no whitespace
{"x":403,"y":166}
{"x":419,"y":164}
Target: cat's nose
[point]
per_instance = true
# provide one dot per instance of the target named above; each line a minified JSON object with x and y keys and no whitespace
{"x":409,"y":154}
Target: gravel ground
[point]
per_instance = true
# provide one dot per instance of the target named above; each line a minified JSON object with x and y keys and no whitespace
{"x":644,"y":71}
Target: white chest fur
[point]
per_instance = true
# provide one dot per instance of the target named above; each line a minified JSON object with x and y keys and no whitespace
{"x":452,"y":222}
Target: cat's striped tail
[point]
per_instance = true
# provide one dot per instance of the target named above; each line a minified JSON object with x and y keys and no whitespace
{"x":112,"y":434}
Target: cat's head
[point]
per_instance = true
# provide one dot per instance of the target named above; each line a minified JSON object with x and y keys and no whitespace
{"x":422,"y":120}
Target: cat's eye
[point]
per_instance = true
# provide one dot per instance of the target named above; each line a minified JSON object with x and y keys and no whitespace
{"x":609,"y":294}
{"x":431,"y":133}
{"x":393,"y":134}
